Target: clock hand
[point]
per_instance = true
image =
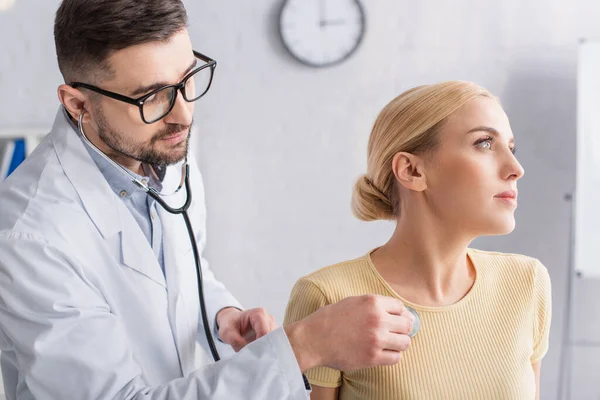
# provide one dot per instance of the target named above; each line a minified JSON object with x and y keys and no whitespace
{"x":333,"y":22}
{"x":322,"y":13}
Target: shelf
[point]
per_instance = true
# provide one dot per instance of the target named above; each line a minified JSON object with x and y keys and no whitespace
{"x":22,"y":133}
{"x":32,"y":137}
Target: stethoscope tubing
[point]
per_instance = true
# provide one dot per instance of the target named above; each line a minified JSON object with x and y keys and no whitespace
{"x":180,"y":210}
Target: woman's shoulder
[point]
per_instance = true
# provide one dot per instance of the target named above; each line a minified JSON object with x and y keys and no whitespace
{"x":508,"y":265}
{"x":342,"y":278}
{"x":340,"y":269}
{"x":503,"y":257}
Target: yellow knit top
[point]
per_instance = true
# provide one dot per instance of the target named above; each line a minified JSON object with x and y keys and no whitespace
{"x":480,"y":348}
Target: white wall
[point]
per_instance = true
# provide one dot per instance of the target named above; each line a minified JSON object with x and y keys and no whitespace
{"x":281,"y":144}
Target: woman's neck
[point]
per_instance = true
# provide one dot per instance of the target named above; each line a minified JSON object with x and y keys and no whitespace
{"x":425,"y":264}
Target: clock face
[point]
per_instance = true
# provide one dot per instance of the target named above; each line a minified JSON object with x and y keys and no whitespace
{"x":320,"y":33}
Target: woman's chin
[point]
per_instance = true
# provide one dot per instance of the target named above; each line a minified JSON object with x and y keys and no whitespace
{"x":499,"y":227}
{"x":505,"y":226}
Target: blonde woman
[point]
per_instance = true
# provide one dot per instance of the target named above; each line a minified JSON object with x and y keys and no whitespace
{"x":441,"y":164}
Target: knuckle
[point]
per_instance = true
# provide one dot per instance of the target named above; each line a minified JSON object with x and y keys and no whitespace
{"x":392,"y":358}
{"x":406,"y":326}
{"x":224,"y":331}
{"x":405,"y":343}
{"x":373,"y":321}
{"x":374,"y":341}
{"x":261,"y":311}
{"x":370,"y":300}
{"x":396,"y":357}
{"x":373,"y":356}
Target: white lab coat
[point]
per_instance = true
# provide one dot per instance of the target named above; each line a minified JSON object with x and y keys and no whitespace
{"x":85,"y":309}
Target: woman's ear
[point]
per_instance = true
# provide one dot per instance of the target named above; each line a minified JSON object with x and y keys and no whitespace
{"x":73,"y":100}
{"x":409,"y":170}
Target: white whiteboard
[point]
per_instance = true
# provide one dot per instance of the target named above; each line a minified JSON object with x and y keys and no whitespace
{"x":587,"y":193}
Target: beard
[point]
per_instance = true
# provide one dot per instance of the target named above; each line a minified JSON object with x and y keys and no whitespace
{"x":146,"y":152}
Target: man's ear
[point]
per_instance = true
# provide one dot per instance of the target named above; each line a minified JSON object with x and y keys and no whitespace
{"x":409,"y":170}
{"x":74,"y":100}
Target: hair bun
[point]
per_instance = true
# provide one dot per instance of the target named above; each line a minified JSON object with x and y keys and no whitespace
{"x":369,"y":203}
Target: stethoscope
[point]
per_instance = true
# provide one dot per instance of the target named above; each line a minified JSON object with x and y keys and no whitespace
{"x":185,"y":181}
{"x":416,"y":323}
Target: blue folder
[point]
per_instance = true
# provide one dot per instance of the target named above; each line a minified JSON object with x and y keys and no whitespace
{"x":18,"y":155}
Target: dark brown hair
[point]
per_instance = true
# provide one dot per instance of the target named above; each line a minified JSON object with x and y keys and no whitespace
{"x":87,"y":32}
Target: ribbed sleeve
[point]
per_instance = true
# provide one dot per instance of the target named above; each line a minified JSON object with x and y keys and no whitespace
{"x":542,"y":303}
{"x":305,"y":299}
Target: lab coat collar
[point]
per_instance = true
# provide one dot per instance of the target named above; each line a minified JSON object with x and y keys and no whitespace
{"x":105,"y":209}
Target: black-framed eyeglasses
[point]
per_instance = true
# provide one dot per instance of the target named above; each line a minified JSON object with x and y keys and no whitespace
{"x":158,"y":103}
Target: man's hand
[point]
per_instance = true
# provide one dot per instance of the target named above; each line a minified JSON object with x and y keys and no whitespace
{"x":355,"y":333}
{"x":238,"y":328}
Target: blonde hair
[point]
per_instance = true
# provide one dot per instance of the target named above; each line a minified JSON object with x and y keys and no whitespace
{"x":409,"y":123}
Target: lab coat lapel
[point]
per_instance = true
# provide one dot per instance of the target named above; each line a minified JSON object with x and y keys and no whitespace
{"x":105,"y":209}
{"x":136,"y":251}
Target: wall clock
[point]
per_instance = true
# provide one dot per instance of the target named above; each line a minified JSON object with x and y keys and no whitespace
{"x":321,"y":33}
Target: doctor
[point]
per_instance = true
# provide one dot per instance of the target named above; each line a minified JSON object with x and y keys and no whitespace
{"x":98,"y":290}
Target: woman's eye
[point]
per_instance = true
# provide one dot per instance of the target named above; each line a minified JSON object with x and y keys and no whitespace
{"x":488,"y":142}
{"x":150,"y":99}
{"x":485,"y":143}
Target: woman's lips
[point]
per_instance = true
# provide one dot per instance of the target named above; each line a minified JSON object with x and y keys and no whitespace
{"x":509,"y":197}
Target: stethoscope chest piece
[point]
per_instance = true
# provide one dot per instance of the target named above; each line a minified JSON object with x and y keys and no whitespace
{"x":417,"y":322}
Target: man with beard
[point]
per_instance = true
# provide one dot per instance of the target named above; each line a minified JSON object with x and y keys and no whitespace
{"x":98,"y":285}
